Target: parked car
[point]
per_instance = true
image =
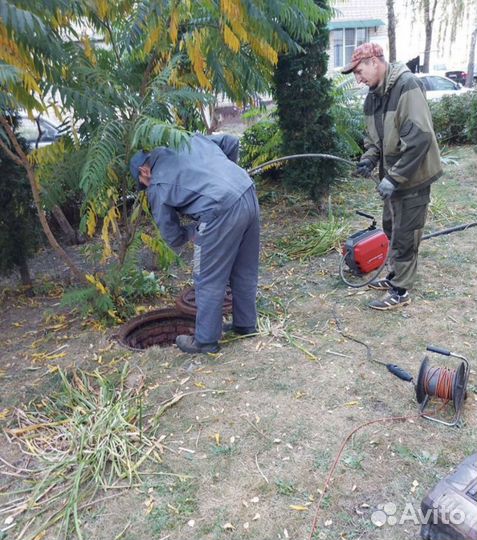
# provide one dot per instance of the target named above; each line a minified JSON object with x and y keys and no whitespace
{"x":437,"y":86}
{"x":460,"y":75}
{"x":28,"y":129}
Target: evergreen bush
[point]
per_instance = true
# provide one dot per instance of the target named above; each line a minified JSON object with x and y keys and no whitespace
{"x":455,"y":119}
{"x":304,"y":99}
{"x":19,"y":228}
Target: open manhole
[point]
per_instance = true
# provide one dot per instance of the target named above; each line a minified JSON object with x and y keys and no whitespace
{"x":186,"y":301}
{"x":159,"y":327}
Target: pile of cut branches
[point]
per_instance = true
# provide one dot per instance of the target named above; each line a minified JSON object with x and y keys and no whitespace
{"x":315,"y":240}
{"x":273,"y":320}
{"x":87,"y":438}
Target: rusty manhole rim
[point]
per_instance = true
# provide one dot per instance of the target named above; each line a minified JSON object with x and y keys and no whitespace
{"x":150,"y":324}
{"x":185,"y":302}
{"x":152,"y":320}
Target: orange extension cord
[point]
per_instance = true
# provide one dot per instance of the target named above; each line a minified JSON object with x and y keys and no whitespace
{"x":445,"y":382}
{"x":371,"y":422}
{"x":343,"y":444}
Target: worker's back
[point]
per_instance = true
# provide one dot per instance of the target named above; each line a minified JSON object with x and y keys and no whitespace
{"x":200,"y":177}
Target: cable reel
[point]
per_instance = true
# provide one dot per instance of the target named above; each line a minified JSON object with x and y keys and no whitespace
{"x":443,"y":383}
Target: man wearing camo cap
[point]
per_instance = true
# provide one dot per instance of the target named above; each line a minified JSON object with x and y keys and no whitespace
{"x":401,"y":142}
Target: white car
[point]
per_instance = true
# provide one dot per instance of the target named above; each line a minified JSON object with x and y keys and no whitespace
{"x":438,"y":86}
{"x":28,"y":129}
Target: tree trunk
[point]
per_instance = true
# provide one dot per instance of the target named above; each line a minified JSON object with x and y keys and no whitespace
{"x":212,"y":122}
{"x":429,"y":17}
{"x":427,"y":47}
{"x":26,"y":277}
{"x":21,"y":158}
{"x":391,"y":30}
{"x":65,"y":225}
{"x":46,"y":228}
{"x":469,"y":82}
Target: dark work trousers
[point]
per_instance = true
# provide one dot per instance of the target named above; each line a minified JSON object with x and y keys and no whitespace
{"x":404,"y":217}
{"x":227,"y":250}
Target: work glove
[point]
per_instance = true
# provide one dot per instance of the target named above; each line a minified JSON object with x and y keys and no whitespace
{"x":364,"y":168}
{"x":386,"y":188}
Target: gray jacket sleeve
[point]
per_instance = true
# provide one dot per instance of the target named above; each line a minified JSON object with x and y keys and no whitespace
{"x":228,"y":144}
{"x":168,"y":221}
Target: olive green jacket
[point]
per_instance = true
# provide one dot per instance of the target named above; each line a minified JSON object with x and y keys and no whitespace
{"x":400,"y":137}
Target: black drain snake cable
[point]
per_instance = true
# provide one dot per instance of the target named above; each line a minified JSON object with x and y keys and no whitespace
{"x":450,"y":230}
{"x":356,"y":340}
{"x":260,"y":168}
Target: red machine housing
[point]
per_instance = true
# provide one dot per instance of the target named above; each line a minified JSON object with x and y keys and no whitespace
{"x":366,"y":250}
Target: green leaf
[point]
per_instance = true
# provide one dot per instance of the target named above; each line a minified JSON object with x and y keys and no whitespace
{"x":150,"y":133}
{"x":19,"y":20}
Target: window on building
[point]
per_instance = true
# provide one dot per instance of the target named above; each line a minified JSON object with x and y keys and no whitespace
{"x":345,"y":42}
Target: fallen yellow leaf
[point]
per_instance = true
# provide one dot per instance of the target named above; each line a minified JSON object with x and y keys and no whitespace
{"x":39,"y":357}
{"x":351,"y":403}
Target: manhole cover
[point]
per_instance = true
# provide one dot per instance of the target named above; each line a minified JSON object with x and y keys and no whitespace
{"x":185,"y":303}
{"x":159,"y":327}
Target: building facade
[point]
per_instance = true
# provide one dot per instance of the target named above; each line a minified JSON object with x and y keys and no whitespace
{"x":356,"y":22}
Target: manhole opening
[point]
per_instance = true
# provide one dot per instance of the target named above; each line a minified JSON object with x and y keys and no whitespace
{"x":156,"y":328}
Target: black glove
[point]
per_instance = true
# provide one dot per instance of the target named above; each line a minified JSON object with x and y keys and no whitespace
{"x":364,"y":168}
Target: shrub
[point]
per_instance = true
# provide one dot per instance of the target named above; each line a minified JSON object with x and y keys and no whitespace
{"x":260,"y":143}
{"x":304,"y":98}
{"x":348,"y":117}
{"x":455,"y":119}
{"x":19,"y":227}
{"x":112,"y":295}
{"x":472,"y":120}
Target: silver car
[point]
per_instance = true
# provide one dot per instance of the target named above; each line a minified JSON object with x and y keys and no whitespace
{"x":438,"y":86}
{"x":28,"y":129}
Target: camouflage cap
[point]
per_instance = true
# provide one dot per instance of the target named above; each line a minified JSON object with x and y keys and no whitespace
{"x":366,"y":50}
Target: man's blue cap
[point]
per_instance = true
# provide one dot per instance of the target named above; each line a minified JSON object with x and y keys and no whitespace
{"x":138,"y":160}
